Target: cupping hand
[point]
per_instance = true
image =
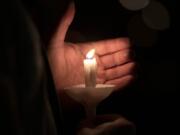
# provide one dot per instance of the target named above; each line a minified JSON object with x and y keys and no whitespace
{"x":66,"y":59}
{"x":106,"y":125}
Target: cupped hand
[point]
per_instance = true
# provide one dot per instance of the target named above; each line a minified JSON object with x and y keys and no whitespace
{"x":110,"y":124}
{"x":66,"y":59}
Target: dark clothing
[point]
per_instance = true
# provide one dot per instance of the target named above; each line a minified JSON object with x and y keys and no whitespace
{"x":28,"y":102}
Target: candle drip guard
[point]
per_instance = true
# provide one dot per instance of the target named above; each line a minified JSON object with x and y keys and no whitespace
{"x":89,"y":97}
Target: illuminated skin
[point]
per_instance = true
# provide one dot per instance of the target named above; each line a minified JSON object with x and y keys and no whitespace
{"x":66,"y":59}
{"x":106,"y":124}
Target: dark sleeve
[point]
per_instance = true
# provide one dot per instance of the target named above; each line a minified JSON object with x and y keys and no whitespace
{"x":25,"y":104}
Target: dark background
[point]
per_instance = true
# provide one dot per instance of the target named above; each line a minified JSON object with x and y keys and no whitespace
{"x":151,"y":101}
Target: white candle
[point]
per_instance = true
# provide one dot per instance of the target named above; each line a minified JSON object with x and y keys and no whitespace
{"x":90,"y":66}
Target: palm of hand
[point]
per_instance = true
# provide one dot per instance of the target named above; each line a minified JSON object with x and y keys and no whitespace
{"x":66,"y":61}
{"x":67,"y":65}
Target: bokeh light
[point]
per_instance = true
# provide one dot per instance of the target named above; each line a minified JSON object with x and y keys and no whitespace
{"x":156,"y":16}
{"x":139,"y":33}
{"x":134,"y":4}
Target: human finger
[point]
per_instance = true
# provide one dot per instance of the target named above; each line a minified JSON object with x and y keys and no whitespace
{"x":105,"y":47}
{"x":115,"y":59}
{"x":119,"y":71}
{"x":121,"y":82}
{"x":64,"y":24}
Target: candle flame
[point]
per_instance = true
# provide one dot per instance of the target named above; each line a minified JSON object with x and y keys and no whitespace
{"x":90,"y":54}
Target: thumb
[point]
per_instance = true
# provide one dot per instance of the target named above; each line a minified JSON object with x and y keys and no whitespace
{"x":64,"y":24}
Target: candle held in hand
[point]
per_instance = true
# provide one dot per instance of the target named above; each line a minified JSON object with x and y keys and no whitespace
{"x":90,"y":67}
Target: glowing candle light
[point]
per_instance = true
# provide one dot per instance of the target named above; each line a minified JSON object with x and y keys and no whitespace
{"x":90,"y":66}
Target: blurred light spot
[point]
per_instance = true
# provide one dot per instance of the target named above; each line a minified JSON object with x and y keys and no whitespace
{"x":156,"y":16}
{"x":134,"y":4}
{"x":140,"y":34}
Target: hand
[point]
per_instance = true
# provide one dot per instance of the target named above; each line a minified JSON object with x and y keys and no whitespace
{"x":66,"y":59}
{"x":106,"y":125}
